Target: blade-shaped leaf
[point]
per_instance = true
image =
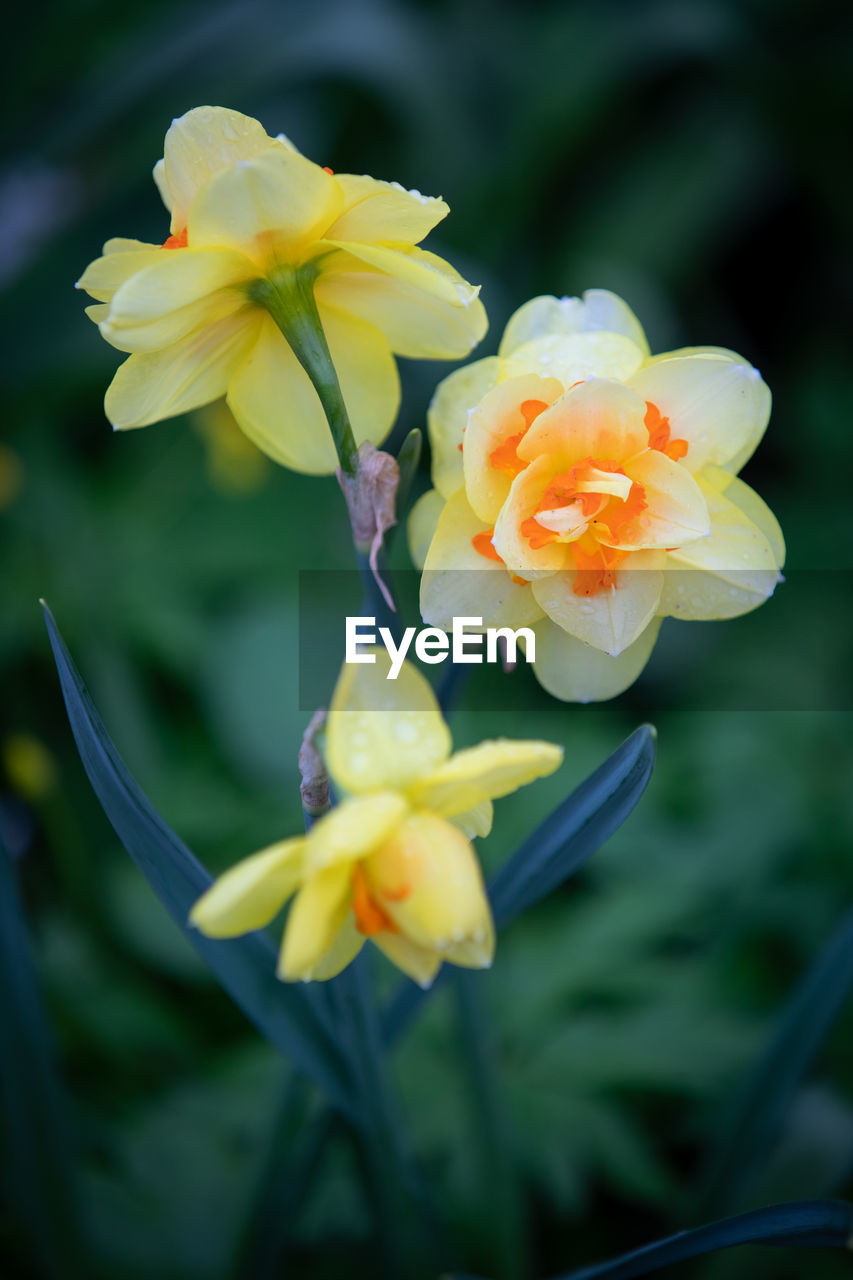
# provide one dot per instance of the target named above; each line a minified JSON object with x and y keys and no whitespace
{"x":36,"y":1123}
{"x":407,"y":460}
{"x":798,"y":1223}
{"x":293,"y":1018}
{"x":576,"y":828}
{"x":557,"y":848}
{"x":753,"y":1120}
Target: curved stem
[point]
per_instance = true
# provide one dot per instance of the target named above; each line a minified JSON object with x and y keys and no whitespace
{"x":288,"y":295}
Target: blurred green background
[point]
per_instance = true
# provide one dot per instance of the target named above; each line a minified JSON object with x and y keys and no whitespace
{"x":694,"y":157}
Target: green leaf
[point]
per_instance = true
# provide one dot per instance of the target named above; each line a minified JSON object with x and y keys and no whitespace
{"x":407,"y":460}
{"x":558,"y":847}
{"x":294,"y":1019}
{"x":755,"y":1116}
{"x":576,"y":829}
{"x":799,"y":1223}
{"x":34,"y":1106}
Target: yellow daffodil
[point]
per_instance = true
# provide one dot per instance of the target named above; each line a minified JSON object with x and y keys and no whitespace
{"x":593,"y":487}
{"x":393,"y":862}
{"x":257,"y":231}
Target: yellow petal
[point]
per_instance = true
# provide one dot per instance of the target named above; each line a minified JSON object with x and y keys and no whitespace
{"x":753,"y":507}
{"x":158,"y":173}
{"x":383,"y":734}
{"x":459,"y":581}
{"x":154,"y":385}
{"x":613,"y":618}
{"x":455,"y":397}
{"x":494,"y":421}
{"x":418,"y":963}
{"x":178,"y":293}
{"x":475,"y":952}
{"x":121,"y":244}
{"x":199,"y":144}
{"x":424,"y":271}
{"x":576,"y":358}
{"x":375,"y":211}
{"x":350,"y":830}
{"x":485,"y":772}
{"x":421,"y":525}
{"x":272,"y":207}
{"x":105,"y":275}
{"x":428,"y":880}
{"x":676,"y":511}
{"x":342,"y":951}
{"x":599,"y":311}
{"x":715,"y":401}
{"x":728,"y":573}
{"x":476,"y":821}
{"x":415,"y":323}
{"x":597,"y":419}
{"x":510,"y":543}
{"x":251,"y":893}
{"x":576,"y":672}
{"x":276,"y":405}
{"x":317,"y":915}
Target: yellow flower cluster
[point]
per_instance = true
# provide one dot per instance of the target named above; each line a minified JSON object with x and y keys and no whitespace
{"x":393,"y":861}
{"x":582,"y":487}
{"x":588,"y":489}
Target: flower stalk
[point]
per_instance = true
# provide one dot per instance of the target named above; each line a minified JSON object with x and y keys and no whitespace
{"x":288,"y":295}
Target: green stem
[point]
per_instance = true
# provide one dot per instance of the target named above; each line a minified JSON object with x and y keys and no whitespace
{"x":502,"y":1208}
{"x":288,"y":295}
{"x":409,"y":1236}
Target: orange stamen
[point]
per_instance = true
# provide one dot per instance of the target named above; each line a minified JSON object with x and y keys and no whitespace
{"x":659,"y":434}
{"x":530,"y":411}
{"x":536,"y":534}
{"x":178,"y":241}
{"x":369,"y":916}
{"x":483,"y":545}
{"x":617,"y":516}
{"x":596,"y":567}
{"x":326,"y":169}
{"x":505,"y":456}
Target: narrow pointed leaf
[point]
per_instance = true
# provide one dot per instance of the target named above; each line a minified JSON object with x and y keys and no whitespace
{"x":752,"y":1122}
{"x":557,"y":848}
{"x":798,"y":1223}
{"x":407,"y":460}
{"x":36,"y":1124}
{"x":576,"y":828}
{"x":293,"y":1018}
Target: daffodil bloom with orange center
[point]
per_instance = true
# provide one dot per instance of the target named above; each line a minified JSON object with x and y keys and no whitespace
{"x":592,"y":488}
{"x":393,"y":862}
{"x":259,"y":231}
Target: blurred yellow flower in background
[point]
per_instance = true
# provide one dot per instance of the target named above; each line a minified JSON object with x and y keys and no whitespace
{"x":248,"y":212}
{"x":234,"y":465}
{"x":592,"y":487}
{"x":29,"y":765}
{"x":393,"y":861}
